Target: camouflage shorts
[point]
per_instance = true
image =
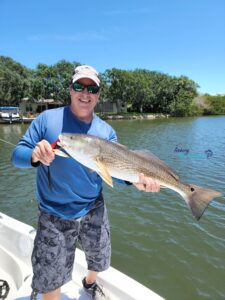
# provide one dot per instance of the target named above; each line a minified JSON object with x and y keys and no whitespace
{"x":55,"y":244}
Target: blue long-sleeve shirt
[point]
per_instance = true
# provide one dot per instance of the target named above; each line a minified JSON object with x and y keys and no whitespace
{"x":74,"y":188}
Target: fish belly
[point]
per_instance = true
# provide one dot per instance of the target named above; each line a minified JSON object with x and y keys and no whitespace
{"x":126,"y":175}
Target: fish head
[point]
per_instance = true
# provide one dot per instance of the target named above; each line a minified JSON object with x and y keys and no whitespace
{"x":81,"y":147}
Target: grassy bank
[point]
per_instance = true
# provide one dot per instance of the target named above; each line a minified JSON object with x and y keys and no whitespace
{"x":131,"y":116}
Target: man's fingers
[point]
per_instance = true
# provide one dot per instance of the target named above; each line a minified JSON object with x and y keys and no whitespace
{"x":147,"y":184}
{"x":45,"y":149}
{"x":43,"y":152}
{"x":139,"y":186}
{"x":151,"y":185}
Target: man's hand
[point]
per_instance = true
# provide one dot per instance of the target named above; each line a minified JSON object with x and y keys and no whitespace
{"x":43,"y":152}
{"x":147,"y":184}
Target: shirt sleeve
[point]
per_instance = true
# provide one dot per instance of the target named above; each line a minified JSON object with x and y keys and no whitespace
{"x":112,"y":135}
{"x":21,"y":156}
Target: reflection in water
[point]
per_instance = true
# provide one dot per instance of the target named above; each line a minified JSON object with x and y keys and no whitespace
{"x":13,"y":129}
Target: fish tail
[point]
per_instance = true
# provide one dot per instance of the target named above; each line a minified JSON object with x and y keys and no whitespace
{"x":198,"y":198}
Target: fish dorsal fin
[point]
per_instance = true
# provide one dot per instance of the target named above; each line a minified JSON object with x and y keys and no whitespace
{"x":120,"y":145}
{"x":103,"y":172}
{"x":150,"y":156}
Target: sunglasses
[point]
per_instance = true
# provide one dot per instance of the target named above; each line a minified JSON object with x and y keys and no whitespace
{"x":92,"y":89}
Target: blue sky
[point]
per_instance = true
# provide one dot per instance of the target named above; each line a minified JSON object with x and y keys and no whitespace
{"x":176,"y":37}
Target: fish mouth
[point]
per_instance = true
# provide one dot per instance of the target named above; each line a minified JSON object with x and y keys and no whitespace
{"x":61,"y":143}
{"x":60,"y":137}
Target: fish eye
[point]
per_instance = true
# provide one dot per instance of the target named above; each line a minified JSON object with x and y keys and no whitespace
{"x":192,"y":189}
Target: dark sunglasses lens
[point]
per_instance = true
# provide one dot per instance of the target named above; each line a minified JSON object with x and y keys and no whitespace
{"x":78,"y":87}
{"x":93,"y":89}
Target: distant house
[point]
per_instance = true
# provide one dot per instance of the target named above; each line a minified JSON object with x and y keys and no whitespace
{"x":110,"y":107}
{"x":36,"y":107}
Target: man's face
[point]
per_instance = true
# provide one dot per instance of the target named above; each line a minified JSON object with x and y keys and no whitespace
{"x":83,"y":103}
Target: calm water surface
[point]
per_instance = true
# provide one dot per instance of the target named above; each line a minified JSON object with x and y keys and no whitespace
{"x":155,"y":239}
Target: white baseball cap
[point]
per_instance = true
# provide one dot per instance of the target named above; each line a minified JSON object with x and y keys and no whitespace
{"x":86,"y":71}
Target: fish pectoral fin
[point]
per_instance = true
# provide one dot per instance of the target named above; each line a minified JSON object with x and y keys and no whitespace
{"x":104,"y":173}
{"x":60,"y":153}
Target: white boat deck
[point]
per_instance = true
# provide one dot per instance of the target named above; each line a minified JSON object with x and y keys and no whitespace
{"x":16,"y":243}
{"x":70,"y":291}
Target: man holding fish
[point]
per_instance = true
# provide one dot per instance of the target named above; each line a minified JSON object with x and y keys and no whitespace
{"x":71,"y":207}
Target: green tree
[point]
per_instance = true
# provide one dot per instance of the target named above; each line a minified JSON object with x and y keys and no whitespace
{"x":118,"y":85}
{"x":53,"y":81}
{"x":141,"y":92}
{"x":216,"y":104}
{"x":185,"y":90}
{"x":14,"y":81}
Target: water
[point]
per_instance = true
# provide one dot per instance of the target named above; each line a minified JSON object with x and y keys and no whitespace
{"x":155,"y":239}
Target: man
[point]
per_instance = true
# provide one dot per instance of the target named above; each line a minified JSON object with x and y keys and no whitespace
{"x":73,"y":207}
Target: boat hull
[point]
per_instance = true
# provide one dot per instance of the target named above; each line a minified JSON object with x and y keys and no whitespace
{"x":10,"y":121}
{"x":16,"y":244}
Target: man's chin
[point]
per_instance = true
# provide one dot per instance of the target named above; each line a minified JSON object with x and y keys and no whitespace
{"x":87,"y":117}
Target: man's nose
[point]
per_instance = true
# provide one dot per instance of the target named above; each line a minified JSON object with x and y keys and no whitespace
{"x":85,"y":91}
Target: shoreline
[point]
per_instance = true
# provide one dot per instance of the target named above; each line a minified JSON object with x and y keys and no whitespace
{"x":26,"y":120}
{"x":111,"y":117}
{"x":132,"y":116}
